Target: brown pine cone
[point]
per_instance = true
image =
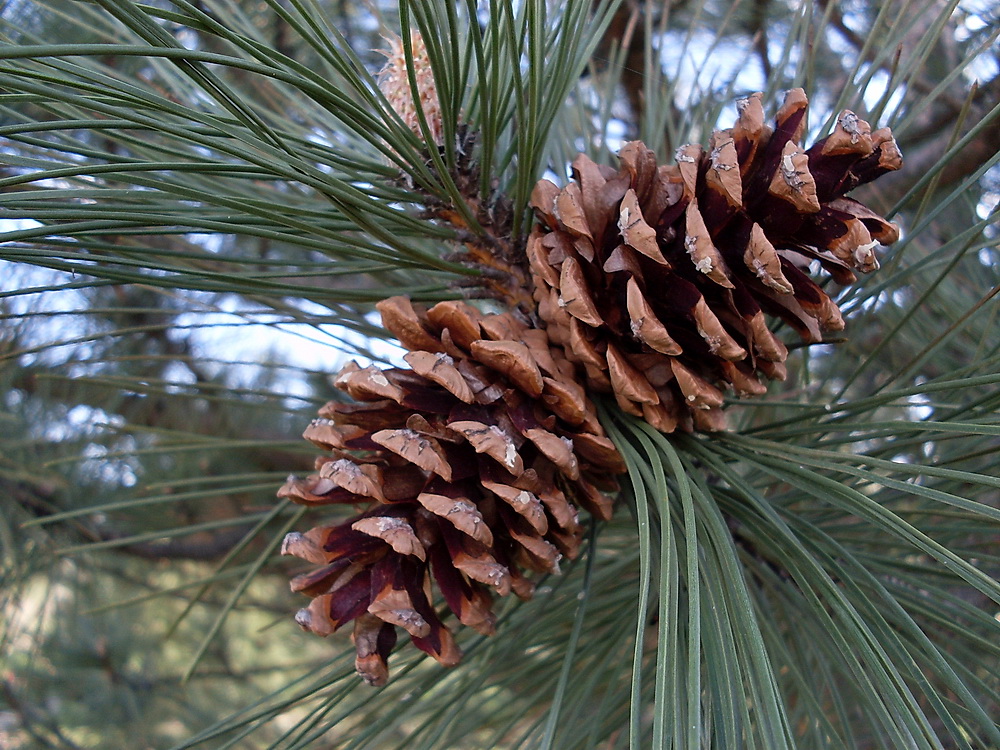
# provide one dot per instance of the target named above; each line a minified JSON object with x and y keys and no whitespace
{"x":657,"y":279}
{"x":472,"y":465}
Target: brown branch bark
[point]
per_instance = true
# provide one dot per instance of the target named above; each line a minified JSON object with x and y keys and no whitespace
{"x":627,"y":31}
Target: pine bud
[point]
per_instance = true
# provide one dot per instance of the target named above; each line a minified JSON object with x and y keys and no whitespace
{"x":394,"y":81}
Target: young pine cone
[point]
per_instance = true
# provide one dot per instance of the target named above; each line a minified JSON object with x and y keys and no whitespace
{"x":657,"y":279}
{"x":471,"y":465}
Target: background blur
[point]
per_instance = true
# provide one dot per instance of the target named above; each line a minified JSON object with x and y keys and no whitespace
{"x":155,"y":376}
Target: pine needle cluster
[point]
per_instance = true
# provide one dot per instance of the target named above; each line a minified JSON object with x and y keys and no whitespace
{"x":720,"y":529}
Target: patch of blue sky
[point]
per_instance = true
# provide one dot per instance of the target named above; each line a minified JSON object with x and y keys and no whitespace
{"x":876,"y":93}
{"x":81,"y":420}
{"x":109,"y":465}
{"x":242,"y":338}
{"x":211,"y":242}
{"x":919,"y":407}
{"x":989,"y":204}
{"x":49,"y":316}
{"x":105,"y":448}
{"x":705,"y":61}
{"x":186,"y":37}
{"x":40,"y":303}
{"x":989,"y":201}
{"x":615,"y":133}
{"x":980,"y":15}
{"x":558,"y":179}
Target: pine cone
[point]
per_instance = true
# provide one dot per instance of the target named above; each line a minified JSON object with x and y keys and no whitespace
{"x":472,"y":465}
{"x":657,"y":279}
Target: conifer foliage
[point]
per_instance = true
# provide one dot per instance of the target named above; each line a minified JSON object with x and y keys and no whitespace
{"x":646,"y":387}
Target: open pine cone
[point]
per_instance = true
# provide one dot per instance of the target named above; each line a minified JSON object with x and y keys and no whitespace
{"x":657,"y":279}
{"x":652,"y":283}
{"x":471,"y":465}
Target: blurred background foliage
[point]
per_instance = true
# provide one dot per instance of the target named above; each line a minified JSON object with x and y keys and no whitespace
{"x":200,"y":202}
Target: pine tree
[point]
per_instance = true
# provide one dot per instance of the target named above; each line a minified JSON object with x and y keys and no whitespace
{"x":547,"y":439}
